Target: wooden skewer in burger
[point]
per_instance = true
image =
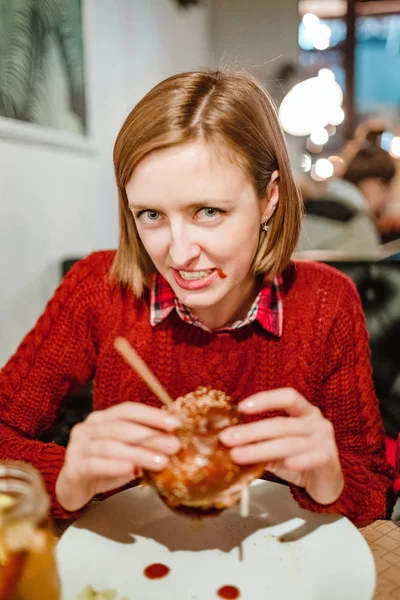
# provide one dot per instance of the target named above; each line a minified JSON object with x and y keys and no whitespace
{"x":201,"y":477}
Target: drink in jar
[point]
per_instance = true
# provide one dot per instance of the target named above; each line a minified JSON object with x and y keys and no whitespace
{"x":27,"y":558}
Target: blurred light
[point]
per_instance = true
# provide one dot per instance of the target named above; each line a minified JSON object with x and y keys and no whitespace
{"x":305,"y":162}
{"x":310,"y":30}
{"x":324,"y":168}
{"x":386,"y":141}
{"x":395,"y":147}
{"x":321,"y":44}
{"x":321,"y":37}
{"x":324,"y":31}
{"x":336,"y":160}
{"x":336,"y":115}
{"x":326,"y":75}
{"x":319,"y":136}
{"x":310,"y":20}
{"x":314,"y":148}
{"x":310,"y":105}
{"x":315,"y":176}
{"x":331,"y":129}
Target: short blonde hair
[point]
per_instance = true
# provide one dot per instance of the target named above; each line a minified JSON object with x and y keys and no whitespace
{"x":225,"y":109}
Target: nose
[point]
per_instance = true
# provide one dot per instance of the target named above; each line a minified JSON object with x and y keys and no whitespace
{"x":183,"y":248}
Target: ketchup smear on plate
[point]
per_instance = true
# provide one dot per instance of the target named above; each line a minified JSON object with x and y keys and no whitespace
{"x":156,"y":571}
{"x":229,"y":592}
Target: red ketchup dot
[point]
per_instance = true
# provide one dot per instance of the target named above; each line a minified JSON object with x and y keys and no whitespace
{"x":157,"y":571}
{"x":229,"y":592}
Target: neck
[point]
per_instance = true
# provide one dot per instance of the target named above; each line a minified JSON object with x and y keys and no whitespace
{"x":232,"y":308}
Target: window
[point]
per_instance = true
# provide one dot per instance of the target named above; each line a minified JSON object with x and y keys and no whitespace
{"x":360,"y":42}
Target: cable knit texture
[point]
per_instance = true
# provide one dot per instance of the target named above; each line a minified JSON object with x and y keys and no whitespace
{"x":323,"y":353}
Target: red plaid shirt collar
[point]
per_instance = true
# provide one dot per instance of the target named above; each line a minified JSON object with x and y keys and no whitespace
{"x":266,"y":308}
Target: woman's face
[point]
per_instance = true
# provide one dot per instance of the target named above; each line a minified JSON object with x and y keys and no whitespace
{"x":199,"y":219}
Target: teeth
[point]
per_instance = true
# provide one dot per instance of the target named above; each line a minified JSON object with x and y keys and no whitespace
{"x":193,"y":275}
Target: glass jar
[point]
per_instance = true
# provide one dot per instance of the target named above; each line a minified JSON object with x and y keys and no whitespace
{"x":28,"y":568}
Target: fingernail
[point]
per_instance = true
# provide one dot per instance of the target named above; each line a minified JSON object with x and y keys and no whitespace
{"x":240,"y":457}
{"x":173,"y":445}
{"x":230,"y":437}
{"x":246,"y":405}
{"x":224,"y":437}
{"x":160,"y":461}
{"x":172,"y":422}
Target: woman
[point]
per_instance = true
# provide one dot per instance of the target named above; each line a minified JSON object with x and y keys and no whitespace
{"x":203,"y":286}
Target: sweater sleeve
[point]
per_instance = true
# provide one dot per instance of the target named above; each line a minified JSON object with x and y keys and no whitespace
{"x":347,"y":398}
{"x":56,"y":356}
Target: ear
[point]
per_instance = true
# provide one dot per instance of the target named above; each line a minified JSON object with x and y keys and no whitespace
{"x":272,"y":198}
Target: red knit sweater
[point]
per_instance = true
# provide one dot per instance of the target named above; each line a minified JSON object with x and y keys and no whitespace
{"x":323,"y":353}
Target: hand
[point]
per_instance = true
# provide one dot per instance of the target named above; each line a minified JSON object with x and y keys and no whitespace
{"x":299,"y":447}
{"x":109,"y":449}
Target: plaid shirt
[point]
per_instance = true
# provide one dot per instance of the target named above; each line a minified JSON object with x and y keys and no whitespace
{"x":266,"y":308}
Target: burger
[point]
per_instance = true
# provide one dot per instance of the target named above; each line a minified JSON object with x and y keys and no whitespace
{"x":202,"y":478}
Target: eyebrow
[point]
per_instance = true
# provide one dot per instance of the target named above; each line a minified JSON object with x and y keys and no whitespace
{"x":206,"y":202}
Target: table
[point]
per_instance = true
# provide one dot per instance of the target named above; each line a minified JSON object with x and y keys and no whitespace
{"x":383,"y":538}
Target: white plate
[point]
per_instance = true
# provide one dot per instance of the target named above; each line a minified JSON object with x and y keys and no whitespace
{"x":279,"y":552}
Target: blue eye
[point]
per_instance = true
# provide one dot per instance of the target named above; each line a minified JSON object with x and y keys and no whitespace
{"x":210,"y":212}
{"x":148,"y":215}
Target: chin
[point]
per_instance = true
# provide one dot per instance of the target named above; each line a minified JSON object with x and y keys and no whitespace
{"x":194,"y":299}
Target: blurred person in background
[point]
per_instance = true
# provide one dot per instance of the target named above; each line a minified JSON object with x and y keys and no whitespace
{"x":342,"y":214}
{"x":389,"y":221}
{"x":372,"y":171}
{"x":389,"y":224}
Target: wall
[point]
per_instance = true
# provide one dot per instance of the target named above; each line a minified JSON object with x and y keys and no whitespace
{"x":257,"y":34}
{"x":56,"y":202}
{"x":163,"y":40}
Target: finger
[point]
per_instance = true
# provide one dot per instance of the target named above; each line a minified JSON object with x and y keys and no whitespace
{"x":274,"y":465}
{"x":135,"y":456}
{"x":264,"y":430}
{"x":132,"y":433}
{"x":148,"y":460}
{"x":270,"y":451}
{"x":305,"y":461}
{"x":162,"y":443}
{"x":287,"y":399}
{"x":106,"y":467}
{"x":137,"y":413}
{"x":109,"y":447}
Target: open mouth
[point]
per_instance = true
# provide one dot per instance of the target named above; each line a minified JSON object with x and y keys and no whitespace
{"x":195,"y":275}
{"x":195,"y":280}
